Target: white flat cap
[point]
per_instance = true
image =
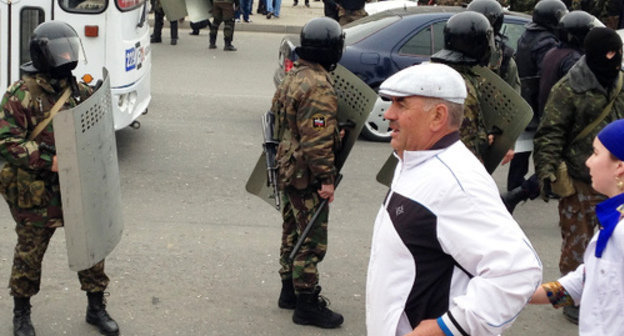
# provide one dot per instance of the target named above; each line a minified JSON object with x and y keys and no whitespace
{"x":428,"y":80}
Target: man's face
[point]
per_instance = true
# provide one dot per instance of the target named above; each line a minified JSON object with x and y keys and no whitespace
{"x":409,"y":123}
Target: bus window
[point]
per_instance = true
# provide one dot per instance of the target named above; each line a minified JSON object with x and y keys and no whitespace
{"x":127,"y":5}
{"x":83,"y":6}
{"x":30,"y":18}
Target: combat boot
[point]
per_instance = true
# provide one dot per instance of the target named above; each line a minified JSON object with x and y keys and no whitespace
{"x":22,"y":326}
{"x":513,"y":197}
{"x":229,"y":46}
{"x":97,"y":315}
{"x":312,"y":310}
{"x":287,"y":298}
{"x":155,"y":39}
{"x":213,"y":41}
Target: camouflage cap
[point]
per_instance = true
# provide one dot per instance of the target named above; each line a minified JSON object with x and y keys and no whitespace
{"x":433,"y":80}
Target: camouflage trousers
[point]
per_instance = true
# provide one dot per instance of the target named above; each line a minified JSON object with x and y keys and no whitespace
{"x":298,"y":207}
{"x":577,"y":219}
{"x":345,"y":16}
{"x":32,"y":243}
{"x":222,"y":12}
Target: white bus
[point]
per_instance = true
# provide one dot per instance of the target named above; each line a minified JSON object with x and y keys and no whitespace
{"x":115,"y":35}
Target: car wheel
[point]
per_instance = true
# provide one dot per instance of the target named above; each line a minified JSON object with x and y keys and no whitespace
{"x":376,"y":127}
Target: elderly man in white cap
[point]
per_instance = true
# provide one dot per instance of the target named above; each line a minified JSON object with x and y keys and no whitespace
{"x":446,"y":258}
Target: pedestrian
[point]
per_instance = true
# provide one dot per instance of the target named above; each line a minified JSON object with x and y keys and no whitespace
{"x":245,"y":9}
{"x":586,"y":99}
{"x":539,"y":37}
{"x":29,"y":180}
{"x":597,"y":284}
{"x":273,"y":8}
{"x":305,"y":108}
{"x":469,"y":41}
{"x":442,"y":245}
{"x":350,"y":10}
{"x":159,"y":20}
{"x":223,"y":11}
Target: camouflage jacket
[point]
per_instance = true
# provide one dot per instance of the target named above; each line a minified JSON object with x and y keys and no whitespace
{"x":574,"y":103}
{"x":472,"y":131}
{"x":602,"y":9}
{"x":504,"y":65}
{"x":26,"y":180}
{"x":306,"y":107}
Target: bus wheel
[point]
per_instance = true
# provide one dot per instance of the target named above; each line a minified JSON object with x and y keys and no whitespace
{"x":135,"y":124}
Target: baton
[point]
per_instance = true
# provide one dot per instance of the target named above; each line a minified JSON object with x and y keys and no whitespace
{"x":308,"y":227}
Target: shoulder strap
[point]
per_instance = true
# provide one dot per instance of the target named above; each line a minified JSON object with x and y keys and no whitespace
{"x":57,"y":106}
{"x":607,"y":109}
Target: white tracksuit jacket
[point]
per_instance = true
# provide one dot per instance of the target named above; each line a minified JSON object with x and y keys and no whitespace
{"x":444,"y":247}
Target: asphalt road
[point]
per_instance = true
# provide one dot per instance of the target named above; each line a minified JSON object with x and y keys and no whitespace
{"x":199,"y":254}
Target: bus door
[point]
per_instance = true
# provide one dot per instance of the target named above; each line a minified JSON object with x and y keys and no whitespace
{"x":18,"y":19}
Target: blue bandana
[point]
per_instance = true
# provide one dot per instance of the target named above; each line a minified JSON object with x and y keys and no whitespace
{"x":609,"y":214}
{"x":612,"y":137}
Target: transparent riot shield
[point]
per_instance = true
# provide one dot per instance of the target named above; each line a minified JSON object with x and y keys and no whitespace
{"x":89,"y":177}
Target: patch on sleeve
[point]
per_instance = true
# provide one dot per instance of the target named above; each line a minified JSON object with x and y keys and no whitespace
{"x":318,"y":121}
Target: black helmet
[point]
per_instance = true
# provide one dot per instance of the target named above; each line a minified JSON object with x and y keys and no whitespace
{"x":574,"y":26}
{"x":492,"y":10}
{"x":468,"y":39}
{"x":322,"y":41}
{"x":548,"y":13}
{"x":54,"y":47}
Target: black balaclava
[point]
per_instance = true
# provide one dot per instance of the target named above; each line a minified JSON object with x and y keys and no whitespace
{"x":598,"y":42}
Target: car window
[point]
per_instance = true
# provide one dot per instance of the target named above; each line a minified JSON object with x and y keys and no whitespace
{"x":426,"y":40}
{"x":356,"y":33}
{"x":513,"y":31}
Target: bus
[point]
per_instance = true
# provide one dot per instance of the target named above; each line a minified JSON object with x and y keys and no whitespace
{"x":115,"y":34}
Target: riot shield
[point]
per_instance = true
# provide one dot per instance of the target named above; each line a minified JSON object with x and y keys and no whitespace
{"x":89,"y":178}
{"x":355,"y":101}
{"x":504,"y":111}
{"x":174,"y":9}
{"x":199,"y":10}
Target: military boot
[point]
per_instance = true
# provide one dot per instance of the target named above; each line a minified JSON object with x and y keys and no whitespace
{"x":97,"y":315}
{"x":513,"y":197}
{"x":213,"y":41}
{"x":22,"y":326}
{"x":312,"y":310}
{"x":229,"y":46}
{"x":287,"y":298}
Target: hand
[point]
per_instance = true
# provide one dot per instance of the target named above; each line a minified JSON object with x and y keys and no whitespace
{"x":327,"y":192}
{"x":508,"y":156}
{"x":427,"y":328}
{"x":54,"y":164}
{"x":547,"y":193}
{"x":342,"y":134}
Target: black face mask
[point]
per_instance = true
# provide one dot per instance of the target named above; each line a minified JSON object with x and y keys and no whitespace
{"x":63,"y":71}
{"x":598,"y":43}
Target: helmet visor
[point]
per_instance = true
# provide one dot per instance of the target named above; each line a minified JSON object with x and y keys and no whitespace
{"x":62,"y":50}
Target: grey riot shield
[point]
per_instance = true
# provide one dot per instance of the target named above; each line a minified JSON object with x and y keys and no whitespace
{"x":174,"y":9}
{"x":199,"y":10}
{"x":504,"y":111}
{"x":355,"y":101}
{"x":89,"y":178}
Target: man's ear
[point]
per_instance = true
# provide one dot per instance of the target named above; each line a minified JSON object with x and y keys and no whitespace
{"x":439,"y":117}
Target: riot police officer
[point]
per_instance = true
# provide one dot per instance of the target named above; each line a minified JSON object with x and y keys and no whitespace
{"x":29,"y":180}
{"x":469,"y":41}
{"x":502,"y":62}
{"x":539,"y":37}
{"x":305,"y":107}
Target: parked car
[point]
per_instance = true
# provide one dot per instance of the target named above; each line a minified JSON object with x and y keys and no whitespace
{"x":380,"y":45}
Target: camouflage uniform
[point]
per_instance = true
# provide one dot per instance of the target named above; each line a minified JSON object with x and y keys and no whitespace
{"x":223,"y":11}
{"x":159,"y":20}
{"x":607,"y":11}
{"x":305,"y":106}
{"x":30,"y":188}
{"x":472,"y":131}
{"x":574,"y":102}
{"x":525,"y":6}
{"x":504,"y":65}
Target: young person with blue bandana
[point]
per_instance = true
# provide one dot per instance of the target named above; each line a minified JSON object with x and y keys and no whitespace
{"x":598,"y":284}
